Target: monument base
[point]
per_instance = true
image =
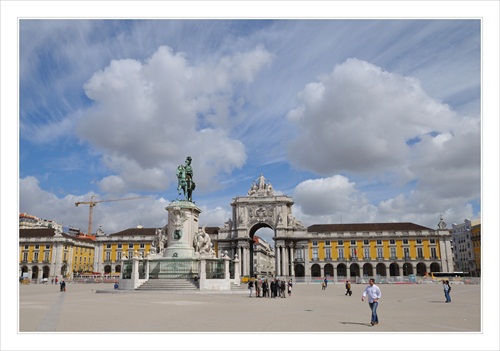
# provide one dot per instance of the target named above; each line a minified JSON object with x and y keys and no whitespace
{"x":183,"y":219}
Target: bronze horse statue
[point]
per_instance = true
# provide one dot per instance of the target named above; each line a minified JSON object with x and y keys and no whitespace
{"x":185,"y":183}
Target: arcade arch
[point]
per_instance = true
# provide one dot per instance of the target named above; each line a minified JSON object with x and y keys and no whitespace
{"x":434,"y":267}
{"x":341,"y":270}
{"x":381,"y":270}
{"x":368,"y":270}
{"x":354,"y":270}
{"x":328,"y":270}
{"x":421,"y":269}
{"x":315,"y":270}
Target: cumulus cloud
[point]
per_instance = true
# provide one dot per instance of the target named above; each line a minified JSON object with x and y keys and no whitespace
{"x":111,"y":216}
{"x":327,"y":195}
{"x":148,"y":116}
{"x":337,"y":199}
{"x":359,"y":119}
{"x":362,"y":121}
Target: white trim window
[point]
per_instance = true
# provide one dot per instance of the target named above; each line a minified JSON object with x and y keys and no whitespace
{"x":380,"y":252}
{"x":367,"y":252}
{"x":328,"y":253}
{"x":315,"y":254}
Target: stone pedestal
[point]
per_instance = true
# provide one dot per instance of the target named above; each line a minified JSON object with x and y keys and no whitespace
{"x":183,"y":223}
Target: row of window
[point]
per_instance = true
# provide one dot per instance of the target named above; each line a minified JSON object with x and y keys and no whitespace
{"x":380,"y":253}
{"x":367,"y":242}
{"x":46,"y":257}
{"x":47,"y":247}
{"x":118,"y":255}
{"x":130,"y":246}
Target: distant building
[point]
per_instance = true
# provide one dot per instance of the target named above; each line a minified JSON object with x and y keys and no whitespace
{"x":476,"y":245}
{"x":463,"y":246}
{"x":111,"y":249}
{"x":49,"y":253}
{"x":340,"y":251}
{"x":27,"y":221}
{"x":263,"y":257}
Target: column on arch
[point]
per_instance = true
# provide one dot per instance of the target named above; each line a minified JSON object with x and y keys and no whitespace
{"x":246,"y":250}
{"x":307,"y":265}
{"x":278,"y":261}
{"x":286,"y":270}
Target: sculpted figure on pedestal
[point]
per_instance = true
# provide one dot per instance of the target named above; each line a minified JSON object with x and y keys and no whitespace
{"x":185,"y":179}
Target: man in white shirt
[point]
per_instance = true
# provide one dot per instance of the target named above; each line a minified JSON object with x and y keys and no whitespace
{"x":374,"y":294}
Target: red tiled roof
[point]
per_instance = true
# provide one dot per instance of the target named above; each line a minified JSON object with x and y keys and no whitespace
{"x":365,"y":227}
{"x":135,"y":231}
{"x":48,"y":232}
{"x":36,"y":233}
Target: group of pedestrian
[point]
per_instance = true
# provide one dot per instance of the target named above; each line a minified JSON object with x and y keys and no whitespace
{"x":275,"y":288}
{"x":372,"y":292}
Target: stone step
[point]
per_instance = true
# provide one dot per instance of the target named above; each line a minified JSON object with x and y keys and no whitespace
{"x":169,"y":284}
{"x":239,"y":287}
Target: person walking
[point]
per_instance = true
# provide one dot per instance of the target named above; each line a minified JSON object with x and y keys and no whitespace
{"x":283,"y":288}
{"x":250,"y":287}
{"x":348,"y":288}
{"x":290,"y":284}
{"x":265,"y":288}
{"x":63,"y":286}
{"x":447,"y":289}
{"x":374,"y":294}
{"x":276,"y":287}
{"x":258,"y":285}
{"x":325,"y":283}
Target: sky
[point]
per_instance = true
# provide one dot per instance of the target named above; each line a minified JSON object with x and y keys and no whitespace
{"x":360,"y":111}
{"x":357,"y":120}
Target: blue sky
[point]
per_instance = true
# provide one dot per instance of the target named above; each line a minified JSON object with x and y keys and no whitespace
{"x":357,"y":120}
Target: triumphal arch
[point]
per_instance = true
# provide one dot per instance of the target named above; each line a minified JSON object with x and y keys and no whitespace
{"x":262,"y":208}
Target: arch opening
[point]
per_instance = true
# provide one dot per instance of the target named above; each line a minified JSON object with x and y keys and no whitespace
{"x":262,"y":254}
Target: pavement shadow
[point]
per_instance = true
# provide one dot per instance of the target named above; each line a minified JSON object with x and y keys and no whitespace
{"x":437,"y":301}
{"x":365,"y":324}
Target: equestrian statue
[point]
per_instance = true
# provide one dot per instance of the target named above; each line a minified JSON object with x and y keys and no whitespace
{"x":185,"y":180}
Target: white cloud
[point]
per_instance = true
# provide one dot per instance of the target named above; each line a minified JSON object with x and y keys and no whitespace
{"x":112,"y":216}
{"x":147,"y":117}
{"x":327,"y":195}
{"x":214,"y":217}
{"x":359,"y":119}
{"x":338,"y":200}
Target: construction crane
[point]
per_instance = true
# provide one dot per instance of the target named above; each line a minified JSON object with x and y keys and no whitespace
{"x":92,"y":204}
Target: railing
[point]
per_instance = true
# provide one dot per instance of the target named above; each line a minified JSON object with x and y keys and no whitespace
{"x":214,"y":269}
{"x":178,"y":269}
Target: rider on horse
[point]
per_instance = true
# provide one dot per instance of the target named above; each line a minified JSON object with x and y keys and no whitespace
{"x":185,"y":177}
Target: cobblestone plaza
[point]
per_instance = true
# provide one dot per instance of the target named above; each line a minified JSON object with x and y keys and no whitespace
{"x":97,"y":308}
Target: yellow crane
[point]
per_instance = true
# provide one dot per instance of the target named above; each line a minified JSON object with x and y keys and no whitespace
{"x":92,"y":204}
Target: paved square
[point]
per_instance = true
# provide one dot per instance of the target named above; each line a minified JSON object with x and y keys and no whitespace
{"x":403,"y":308}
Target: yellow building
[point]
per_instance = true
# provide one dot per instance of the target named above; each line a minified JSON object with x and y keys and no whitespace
{"x":47,"y":253}
{"x":113,"y":248}
{"x":345,"y":251}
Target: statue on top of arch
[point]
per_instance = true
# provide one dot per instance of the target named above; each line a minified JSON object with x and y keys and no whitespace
{"x":261,"y":187}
